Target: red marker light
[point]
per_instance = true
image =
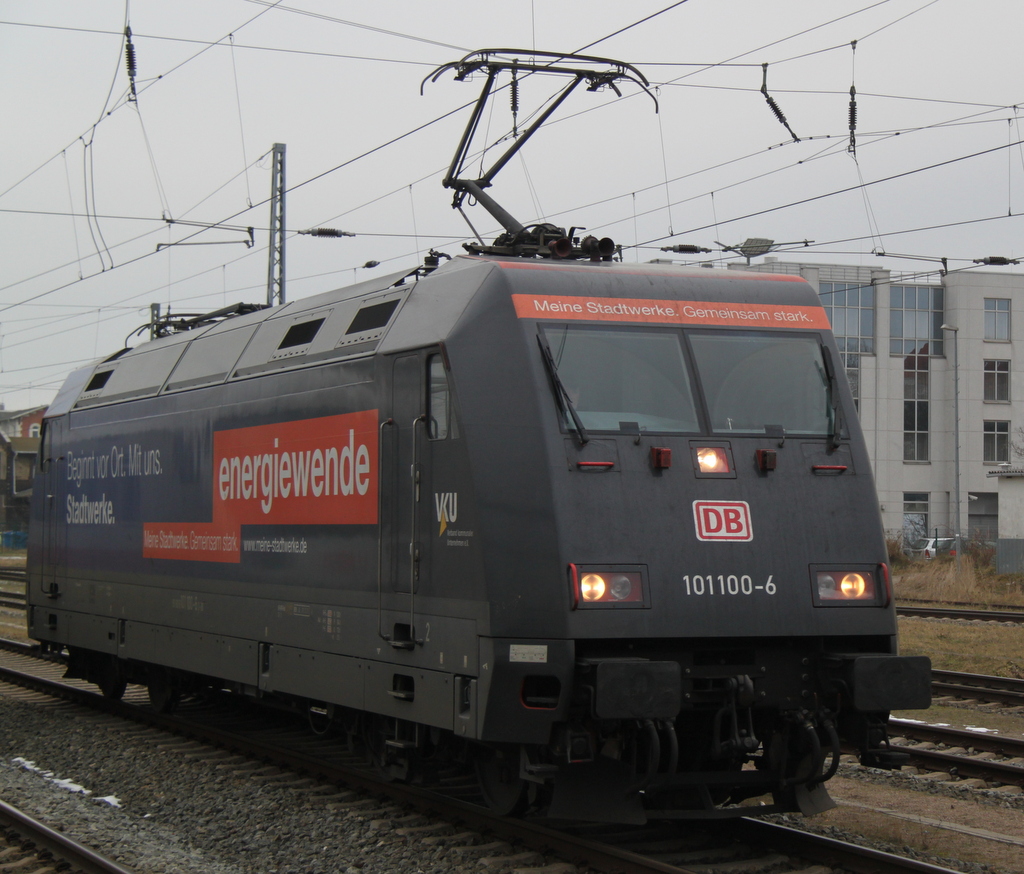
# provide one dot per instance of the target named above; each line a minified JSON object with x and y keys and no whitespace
{"x":661,"y":457}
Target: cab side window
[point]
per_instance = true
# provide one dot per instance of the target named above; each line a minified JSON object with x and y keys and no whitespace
{"x":438,"y":399}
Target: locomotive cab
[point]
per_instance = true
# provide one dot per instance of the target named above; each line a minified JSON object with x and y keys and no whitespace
{"x":704,"y":610}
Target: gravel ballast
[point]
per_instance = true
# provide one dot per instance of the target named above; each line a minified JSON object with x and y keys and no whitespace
{"x":110,"y":786}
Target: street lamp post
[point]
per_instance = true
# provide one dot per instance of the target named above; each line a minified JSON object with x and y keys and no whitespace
{"x":956,"y":439}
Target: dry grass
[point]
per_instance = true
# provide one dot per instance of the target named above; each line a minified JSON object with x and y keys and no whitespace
{"x":973,"y":582}
{"x":977,"y":649}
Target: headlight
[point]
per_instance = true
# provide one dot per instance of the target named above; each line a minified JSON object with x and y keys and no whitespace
{"x":713,"y":459}
{"x":835,"y":587}
{"x":603,"y":588}
{"x":620,"y":587}
{"x":854,"y":586}
{"x":593,"y":587}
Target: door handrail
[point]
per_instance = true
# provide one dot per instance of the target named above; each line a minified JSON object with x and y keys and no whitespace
{"x":380,"y":526}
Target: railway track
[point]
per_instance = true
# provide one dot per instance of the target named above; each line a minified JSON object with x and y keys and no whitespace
{"x":1013,"y":616}
{"x":982,"y":755}
{"x":24,"y":841}
{"x":275,"y":741}
{"x":12,"y":597}
{"x":12,"y":600}
{"x":998,"y":690}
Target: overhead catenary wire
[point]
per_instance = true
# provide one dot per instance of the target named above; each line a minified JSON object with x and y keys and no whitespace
{"x":161,"y":78}
{"x":692,"y":230}
{"x":660,"y":183}
{"x":74,"y":224}
{"x":241,"y":127}
{"x":846,"y":190}
{"x":717,"y":220}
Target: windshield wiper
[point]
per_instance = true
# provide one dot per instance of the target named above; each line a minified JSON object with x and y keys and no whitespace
{"x":833,"y":398}
{"x":564,"y":401}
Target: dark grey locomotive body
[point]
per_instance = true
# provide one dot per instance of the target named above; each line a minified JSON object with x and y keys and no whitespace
{"x":607,"y":530}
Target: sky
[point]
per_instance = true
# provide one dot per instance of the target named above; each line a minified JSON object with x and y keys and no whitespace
{"x":119,"y":192}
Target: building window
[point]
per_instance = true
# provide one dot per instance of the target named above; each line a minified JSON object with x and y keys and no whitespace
{"x":996,"y":448}
{"x":33,"y":430}
{"x":997,"y":380}
{"x":915,"y":320}
{"x":915,"y":516}
{"x":997,"y":319}
{"x":851,"y":312}
{"x":915,"y":407}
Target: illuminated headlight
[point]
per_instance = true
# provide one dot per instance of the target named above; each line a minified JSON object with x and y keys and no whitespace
{"x":844,"y":586}
{"x":713,"y":459}
{"x":602,"y":588}
{"x":593,"y":587}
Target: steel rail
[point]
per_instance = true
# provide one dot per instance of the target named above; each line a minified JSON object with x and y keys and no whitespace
{"x":962,"y":765}
{"x":542,"y":838}
{"x":1002,"y":690}
{"x":932,"y":602}
{"x":984,"y":741}
{"x":1016,"y":616}
{"x":78,"y":856}
{"x":835,"y":853}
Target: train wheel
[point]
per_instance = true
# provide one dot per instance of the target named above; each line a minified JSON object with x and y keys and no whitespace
{"x":163,"y":696}
{"x":500,"y":784}
{"x":110,"y":678}
{"x":374,"y":743}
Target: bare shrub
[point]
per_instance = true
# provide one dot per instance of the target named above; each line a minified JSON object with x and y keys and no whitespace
{"x":981,"y":552}
{"x":940,"y":580}
{"x":894,"y":547}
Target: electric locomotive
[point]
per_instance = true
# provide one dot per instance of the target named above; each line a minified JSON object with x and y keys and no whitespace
{"x":605,"y":532}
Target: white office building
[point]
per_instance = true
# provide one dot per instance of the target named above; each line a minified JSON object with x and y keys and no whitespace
{"x":903,"y":355}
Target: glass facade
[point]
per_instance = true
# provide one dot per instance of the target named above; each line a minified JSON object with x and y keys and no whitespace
{"x":851,"y":312}
{"x":915,"y":332}
{"x":915,"y":407}
{"x":916,"y":313}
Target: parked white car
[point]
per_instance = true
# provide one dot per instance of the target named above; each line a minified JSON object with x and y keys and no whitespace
{"x":929,"y":547}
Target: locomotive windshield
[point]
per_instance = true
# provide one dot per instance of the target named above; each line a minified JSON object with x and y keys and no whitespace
{"x":625,"y":379}
{"x":753,"y":380}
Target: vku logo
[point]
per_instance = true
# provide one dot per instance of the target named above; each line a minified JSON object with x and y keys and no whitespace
{"x":447,"y":506}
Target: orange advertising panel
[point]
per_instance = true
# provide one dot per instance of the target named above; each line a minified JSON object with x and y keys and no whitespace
{"x":665,"y":312}
{"x":307,"y":472}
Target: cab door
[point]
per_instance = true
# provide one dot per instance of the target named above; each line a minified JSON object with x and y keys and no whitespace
{"x":405,"y":505}
{"x":53,"y":559}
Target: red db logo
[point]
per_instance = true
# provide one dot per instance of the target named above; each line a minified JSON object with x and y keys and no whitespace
{"x":722,"y":520}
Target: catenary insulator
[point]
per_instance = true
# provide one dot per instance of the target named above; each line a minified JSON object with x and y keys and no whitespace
{"x":327,"y":232}
{"x":129,"y":53}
